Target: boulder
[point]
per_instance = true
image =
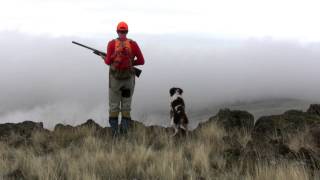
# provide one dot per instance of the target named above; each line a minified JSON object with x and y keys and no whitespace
{"x":137,"y":124}
{"x":310,"y":157}
{"x":24,"y":129}
{"x":233,"y":151}
{"x":232,"y":157}
{"x":231,"y":142}
{"x":266,"y":127}
{"x":276,"y":126}
{"x":91,"y":124}
{"x":232,"y":120}
{"x":269,"y":149}
{"x":314,"y":109}
{"x":314,"y":132}
{"x":62,"y":127}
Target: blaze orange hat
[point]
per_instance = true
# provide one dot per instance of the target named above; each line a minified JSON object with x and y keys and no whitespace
{"x":122,"y":26}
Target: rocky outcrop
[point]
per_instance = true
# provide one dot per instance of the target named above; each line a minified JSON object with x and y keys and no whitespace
{"x":314,"y":109}
{"x":309,"y":157}
{"x":232,"y":120}
{"x":275,"y":126}
{"x":24,"y":129}
{"x":90,"y":124}
{"x":268,"y":141}
{"x":224,"y":150}
{"x":232,"y":152}
{"x":269,"y":136}
{"x":62,"y":127}
{"x":315,"y":135}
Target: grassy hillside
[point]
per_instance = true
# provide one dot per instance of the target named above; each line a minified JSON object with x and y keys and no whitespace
{"x":89,"y":152}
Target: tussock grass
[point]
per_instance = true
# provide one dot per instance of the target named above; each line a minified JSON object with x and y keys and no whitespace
{"x":280,"y":171}
{"x":301,"y":140}
{"x":81,"y":154}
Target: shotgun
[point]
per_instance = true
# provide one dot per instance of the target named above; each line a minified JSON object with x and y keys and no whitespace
{"x":100,"y":53}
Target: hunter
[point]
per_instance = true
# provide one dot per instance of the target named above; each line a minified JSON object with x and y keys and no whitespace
{"x":122,"y":55}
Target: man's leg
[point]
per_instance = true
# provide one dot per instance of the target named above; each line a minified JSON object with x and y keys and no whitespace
{"x":126,"y":105}
{"x":114,"y":104}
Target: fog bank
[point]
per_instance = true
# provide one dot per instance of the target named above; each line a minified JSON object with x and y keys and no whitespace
{"x":53,"y":81}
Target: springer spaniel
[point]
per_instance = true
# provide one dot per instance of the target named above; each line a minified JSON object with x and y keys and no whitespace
{"x":178,"y":116}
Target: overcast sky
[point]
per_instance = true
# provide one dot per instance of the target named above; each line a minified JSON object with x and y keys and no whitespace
{"x":293,"y":19}
{"x":219,"y":52}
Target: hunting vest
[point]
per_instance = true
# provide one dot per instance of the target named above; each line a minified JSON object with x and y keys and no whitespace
{"x":122,"y":60}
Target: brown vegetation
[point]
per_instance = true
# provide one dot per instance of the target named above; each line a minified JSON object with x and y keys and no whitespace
{"x":215,"y":150}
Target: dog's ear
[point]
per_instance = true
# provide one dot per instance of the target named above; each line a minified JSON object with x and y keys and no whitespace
{"x":172,"y":91}
{"x":180,"y":90}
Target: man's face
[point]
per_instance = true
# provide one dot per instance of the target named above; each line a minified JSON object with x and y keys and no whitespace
{"x":122,"y":34}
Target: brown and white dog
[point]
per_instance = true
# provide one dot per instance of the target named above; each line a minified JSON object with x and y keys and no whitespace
{"x":178,"y":115}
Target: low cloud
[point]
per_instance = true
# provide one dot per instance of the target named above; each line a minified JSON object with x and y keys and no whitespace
{"x":52,"y":80}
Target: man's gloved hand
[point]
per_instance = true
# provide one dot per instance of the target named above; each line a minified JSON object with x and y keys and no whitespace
{"x":99,"y":54}
{"x":102,"y":56}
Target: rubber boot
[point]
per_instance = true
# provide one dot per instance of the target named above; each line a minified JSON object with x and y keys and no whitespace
{"x":113,"y":121}
{"x":125,"y":125}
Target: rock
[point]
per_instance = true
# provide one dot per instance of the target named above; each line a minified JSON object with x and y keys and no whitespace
{"x":137,"y":124}
{"x":249,"y":159}
{"x":293,"y":120}
{"x":281,"y":150}
{"x":308,"y":156}
{"x":232,"y":152}
{"x":265,"y":127}
{"x":62,"y":127}
{"x":314,"y":109}
{"x":270,"y":149}
{"x":315,"y":134}
{"x":290,"y":122}
{"x":90,"y":124}
{"x":24,"y":129}
{"x":232,"y":157}
{"x":153,"y":129}
{"x":232,"y":120}
{"x":231,"y":142}
{"x":284,"y":150}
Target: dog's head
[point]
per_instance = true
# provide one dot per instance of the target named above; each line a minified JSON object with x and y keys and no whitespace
{"x":175,"y":90}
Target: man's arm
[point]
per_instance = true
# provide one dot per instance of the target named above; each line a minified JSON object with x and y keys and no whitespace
{"x":138,"y":54}
{"x":110,"y":51}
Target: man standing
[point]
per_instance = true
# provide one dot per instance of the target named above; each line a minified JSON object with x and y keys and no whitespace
{"x":121,"y":54}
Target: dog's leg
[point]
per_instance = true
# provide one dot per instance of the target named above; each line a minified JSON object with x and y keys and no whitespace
{"x":176,"y":129}
{"x":182,"y":129}
{"x":171,"y":117}
{"x":184,"y":126}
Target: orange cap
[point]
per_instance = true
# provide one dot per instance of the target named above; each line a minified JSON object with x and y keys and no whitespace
{"x":122,"y":26}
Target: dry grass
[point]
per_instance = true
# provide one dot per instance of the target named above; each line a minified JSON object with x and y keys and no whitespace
{"x":301,"y":140}
{"x":280,"y":171}
{"x":82,"y":155}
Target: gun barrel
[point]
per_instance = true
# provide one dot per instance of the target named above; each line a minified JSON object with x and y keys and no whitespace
{"x":83,"y":46}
